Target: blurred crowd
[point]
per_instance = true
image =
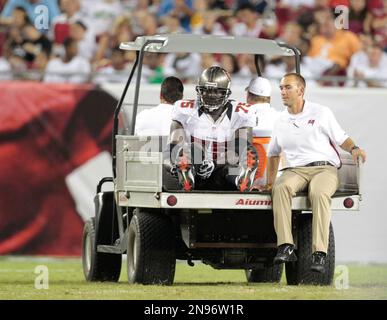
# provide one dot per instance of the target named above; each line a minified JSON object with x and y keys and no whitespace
{"x":78,"y":40}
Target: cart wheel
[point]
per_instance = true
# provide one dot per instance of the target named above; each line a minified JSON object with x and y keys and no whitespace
{"x":271,"y":274}
{"x":299,"y":272}
{"x":151,"y":249}
{"x":98,"y":266}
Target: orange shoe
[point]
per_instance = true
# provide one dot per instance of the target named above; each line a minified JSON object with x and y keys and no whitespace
{"x":185,"y":174}
{"x":245,"y":180}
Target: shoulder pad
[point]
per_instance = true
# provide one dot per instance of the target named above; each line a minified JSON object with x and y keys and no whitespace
{"x":183,"y":109}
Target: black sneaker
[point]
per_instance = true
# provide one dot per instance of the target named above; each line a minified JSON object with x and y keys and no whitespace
{"x":285,"y":253}
{"x":318,"y":261}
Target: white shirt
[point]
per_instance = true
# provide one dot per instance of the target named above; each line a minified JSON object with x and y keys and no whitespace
{"x":111,"y":75}
{"x":217,"y":30}
{"x":5,"y":69}
{"x":64,"y":18}
{"x":315,"y":66}
{"x":88,"y":45}
{"x":186,"y":67}
{"x":240,"y":29}
{"x":200,"y":128}
{"x":155,"y":121}
{"x":306,"y":137}
{"x":265,"y":117}
{"x":76,"y":71}
{"x":297,"y":3}
{"x":101,"y":14}
{"x":361,"y":63}
{"x":277,"y":71}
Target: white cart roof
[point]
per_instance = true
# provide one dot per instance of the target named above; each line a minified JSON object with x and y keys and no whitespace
{"x":208,"y":44}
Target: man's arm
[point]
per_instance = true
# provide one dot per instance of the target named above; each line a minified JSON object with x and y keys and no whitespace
{"x":272,"y":169}
{"x":243,"y":138}
{"x":337,"y":134}
{"x":356,"y":152}
{"x":176,"y":134}
{"x":177,"y":139}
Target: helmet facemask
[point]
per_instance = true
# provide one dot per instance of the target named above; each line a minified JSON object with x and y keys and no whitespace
{"x":212,"y":98}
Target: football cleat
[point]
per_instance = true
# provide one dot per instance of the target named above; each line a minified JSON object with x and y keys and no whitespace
{"x":245,"y":180}
{"x":185,"y":174}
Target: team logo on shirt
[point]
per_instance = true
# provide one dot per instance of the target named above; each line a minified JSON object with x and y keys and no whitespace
{"x":311,"y":121}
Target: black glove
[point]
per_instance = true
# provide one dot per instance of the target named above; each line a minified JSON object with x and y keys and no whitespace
{"x":173,"y":170}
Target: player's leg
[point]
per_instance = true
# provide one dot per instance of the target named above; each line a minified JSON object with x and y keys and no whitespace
{"x":241,"y":175}
{"x":183,"y":167}
{"x":248,"y":165}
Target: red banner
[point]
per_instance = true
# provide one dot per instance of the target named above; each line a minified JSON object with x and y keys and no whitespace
{"x":46,"y":131}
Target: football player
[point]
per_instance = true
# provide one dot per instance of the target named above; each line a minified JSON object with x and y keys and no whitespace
{"x":210,"y":138}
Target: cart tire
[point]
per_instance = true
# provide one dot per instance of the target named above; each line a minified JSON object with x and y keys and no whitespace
{"x":299,"y":272}
{"x":98,"y":266}
{"x":151,"y":249}
{"x":271,"y":274}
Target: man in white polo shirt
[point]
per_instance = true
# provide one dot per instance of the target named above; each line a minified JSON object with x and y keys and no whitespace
{"x":157,"y":121}
{"x":258,"y":94}
{"x":305,"y":134}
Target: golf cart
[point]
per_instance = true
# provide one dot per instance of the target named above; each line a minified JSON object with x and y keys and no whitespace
{"x":155,"y":224}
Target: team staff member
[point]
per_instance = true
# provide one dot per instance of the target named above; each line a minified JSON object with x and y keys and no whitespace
{"x":304,"y":133}
{"x":258,"y":94}
{"x":157,"y":121}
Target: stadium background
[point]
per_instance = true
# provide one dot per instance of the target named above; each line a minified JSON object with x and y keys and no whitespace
{"x":55,"y":135}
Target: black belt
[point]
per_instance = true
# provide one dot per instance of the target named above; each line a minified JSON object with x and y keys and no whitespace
{"x":318,"y":164}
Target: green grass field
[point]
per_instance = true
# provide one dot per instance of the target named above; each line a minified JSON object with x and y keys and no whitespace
{"x":66,"y":281}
